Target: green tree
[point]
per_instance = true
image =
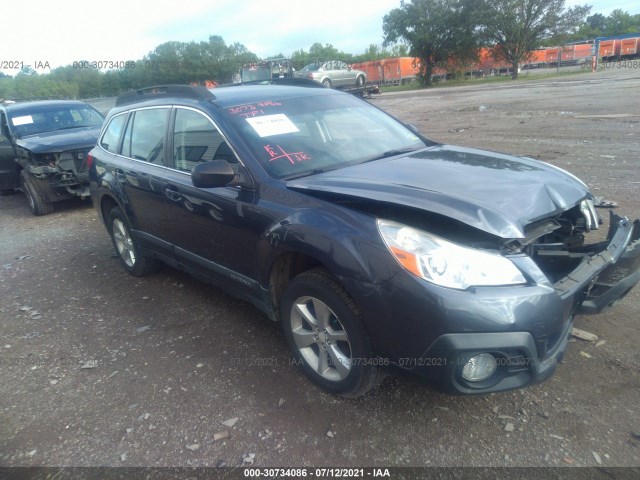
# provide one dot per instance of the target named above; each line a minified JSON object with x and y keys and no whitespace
{"x":597,"y":22}
{"x":435,"y":31}
{"x":620,"y":22}
{"x":400,"y":50}
{"x":299,"y":58}
{"x":517,"y":27}
{"x":318,"y":52}
{"x":88,"y":81}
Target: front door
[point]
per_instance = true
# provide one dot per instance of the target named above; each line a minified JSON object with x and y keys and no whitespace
{"x":210,"y":227}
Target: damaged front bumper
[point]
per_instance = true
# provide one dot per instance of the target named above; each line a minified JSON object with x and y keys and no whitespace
{"x":611,"y":273}
{"x":525,"y":328}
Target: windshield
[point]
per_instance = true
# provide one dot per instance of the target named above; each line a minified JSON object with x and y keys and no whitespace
{"x":299,"y":136}
{"x":51,"y":118}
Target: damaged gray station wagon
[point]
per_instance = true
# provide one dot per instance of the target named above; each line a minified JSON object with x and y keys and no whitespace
{"x":371,"y":244}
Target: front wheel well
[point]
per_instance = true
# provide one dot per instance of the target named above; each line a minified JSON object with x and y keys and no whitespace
{"x":285,"y":268}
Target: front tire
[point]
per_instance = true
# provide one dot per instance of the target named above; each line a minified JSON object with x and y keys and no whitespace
{"x":326,"y":333}
{"x":124,"y":243}
{"x":36,"y":202}
{"x":360,"y":81}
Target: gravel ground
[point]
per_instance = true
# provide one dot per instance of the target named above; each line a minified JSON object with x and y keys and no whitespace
{"x":98,"y":368}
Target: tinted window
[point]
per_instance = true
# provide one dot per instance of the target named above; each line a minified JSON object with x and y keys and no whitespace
{"x":112,"y":133}
{"x":144,"y":137}
{"x":195,"y":140}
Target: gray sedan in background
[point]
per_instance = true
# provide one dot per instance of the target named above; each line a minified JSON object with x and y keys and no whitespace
{"x":333,"y":74}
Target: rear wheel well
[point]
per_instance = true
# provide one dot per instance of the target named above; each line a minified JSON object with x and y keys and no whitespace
{"x":106,"y":205}
{"x":286,"y":267}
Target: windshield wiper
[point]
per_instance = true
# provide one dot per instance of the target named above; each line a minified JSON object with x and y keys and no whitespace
{"x":74,"y":126}
{"x":307,"y":174}
{"x":393,"y":153}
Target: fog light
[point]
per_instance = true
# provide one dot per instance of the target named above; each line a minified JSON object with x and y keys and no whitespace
{"x":479,"y":368}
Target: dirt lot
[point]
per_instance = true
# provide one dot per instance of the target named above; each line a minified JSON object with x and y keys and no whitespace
{"x":100,"y":368}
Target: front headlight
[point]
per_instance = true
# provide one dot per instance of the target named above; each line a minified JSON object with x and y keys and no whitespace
{"x":444,"y":263}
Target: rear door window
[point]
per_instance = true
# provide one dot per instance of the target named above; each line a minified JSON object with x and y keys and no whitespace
{"x":145,"y":134}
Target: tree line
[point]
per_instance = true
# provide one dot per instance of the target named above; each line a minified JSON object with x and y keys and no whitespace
{"x":433,"y":30}
{"x":169,"y":63}
{"x":438,"y":31}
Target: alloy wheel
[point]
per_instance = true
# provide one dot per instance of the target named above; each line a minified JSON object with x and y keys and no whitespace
{"x":321,"y":339}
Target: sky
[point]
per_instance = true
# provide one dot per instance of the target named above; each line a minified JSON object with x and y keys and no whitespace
{"x":46,"y":33}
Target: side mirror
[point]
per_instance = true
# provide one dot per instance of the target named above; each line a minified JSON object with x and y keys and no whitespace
{"x":216,"y":173}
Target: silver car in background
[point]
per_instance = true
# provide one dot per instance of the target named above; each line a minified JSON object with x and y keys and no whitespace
{"x":333,"y":74}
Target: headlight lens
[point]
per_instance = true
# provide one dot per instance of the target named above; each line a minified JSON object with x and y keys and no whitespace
{"x":444,"y":263}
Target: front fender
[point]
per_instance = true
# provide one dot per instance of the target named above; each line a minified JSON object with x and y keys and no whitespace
{"x":347,"y":243}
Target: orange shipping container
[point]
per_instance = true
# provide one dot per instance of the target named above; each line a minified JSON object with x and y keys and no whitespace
{"x":567,"y":53}
{"x":538,"y":56}
{"x":609,"y":48}
{"x":401,"y":67}
{"x":551,"y":55}
{"x":372,"y":68}
{"x":389,"y":70}
{"x":583,"y":51}
{"x":630,"y":46}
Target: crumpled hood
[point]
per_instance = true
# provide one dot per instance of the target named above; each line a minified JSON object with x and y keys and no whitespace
{"x":496,"y":193}
{"x":60,"y":140}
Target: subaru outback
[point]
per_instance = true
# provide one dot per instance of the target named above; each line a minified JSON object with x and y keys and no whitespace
{"x":371,"y":244}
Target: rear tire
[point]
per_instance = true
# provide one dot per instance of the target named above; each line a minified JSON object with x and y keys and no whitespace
{"x":36,"y":202}
{"x":128,"y":252}
{"x":326,"y":83}
{"x":327,"y":335}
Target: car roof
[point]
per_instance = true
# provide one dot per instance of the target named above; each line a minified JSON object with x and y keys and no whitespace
{"x":231,"y":96}
{"x":222,"y":97}
{"x":41,"y":105}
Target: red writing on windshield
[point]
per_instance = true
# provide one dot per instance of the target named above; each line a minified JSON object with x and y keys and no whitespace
{"x":252,"y":109}
{"x":278,"y":152}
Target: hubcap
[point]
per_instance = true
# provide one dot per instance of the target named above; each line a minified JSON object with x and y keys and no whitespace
{"x":124,"y":243}
{"x":321,"y":339}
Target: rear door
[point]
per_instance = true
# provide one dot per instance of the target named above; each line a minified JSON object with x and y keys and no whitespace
{"x":211,"y":228}
{"x":138,"y":171}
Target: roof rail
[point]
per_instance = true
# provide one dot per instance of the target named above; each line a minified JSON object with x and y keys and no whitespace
{"x":164,"y":91}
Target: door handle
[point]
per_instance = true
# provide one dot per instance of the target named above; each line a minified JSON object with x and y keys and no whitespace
{"x":172,"y":194}
{"x":120,"y":176}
